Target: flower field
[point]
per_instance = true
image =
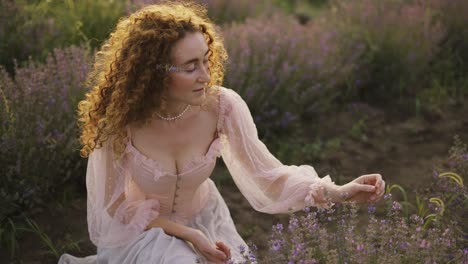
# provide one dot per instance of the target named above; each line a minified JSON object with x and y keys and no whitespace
{"x":350,"y":87}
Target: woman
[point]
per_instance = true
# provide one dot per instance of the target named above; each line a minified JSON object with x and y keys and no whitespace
{"x":154,"y":123}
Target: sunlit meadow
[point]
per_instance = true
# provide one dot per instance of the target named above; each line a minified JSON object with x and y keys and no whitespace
{"x":407,"y":54}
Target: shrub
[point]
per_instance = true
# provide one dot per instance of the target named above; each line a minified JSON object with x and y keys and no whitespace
{"x":223,"y":11}
{"x":392,"y":44}
{"x":35,"y":28}
{"x":449,"y":79}
{"x":453,"y":15}
{"x":282,"y":69}
{"x":38,"y":144}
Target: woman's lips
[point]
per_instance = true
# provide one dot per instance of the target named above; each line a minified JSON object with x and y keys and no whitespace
{"x":199,"y":90}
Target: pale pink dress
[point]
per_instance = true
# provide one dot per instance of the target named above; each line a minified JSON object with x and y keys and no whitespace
{"x":190,"y":198}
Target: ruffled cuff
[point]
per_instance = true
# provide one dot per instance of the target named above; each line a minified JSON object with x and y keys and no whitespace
{"x":318,"y":194}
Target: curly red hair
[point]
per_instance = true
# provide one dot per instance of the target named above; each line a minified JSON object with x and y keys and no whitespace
{"x":127,"y":83}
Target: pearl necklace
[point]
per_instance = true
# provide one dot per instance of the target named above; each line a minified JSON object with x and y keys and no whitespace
{"x":175,"y":117}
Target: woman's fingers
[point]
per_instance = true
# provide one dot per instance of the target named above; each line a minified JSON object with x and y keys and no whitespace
{"x":373,"y":180}
{"x":368,"y":188}
{"x":380,"y":190}
{"x":213,"y":253}
{"x":217,"y":255}
{"x":370,"y":178}
{"x":380,"y":187}
{"x":221,"y":255}
{"x":224,"y":248}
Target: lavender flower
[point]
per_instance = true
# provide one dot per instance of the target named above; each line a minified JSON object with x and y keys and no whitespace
{"x":277,"y":244}
{"x":285,"y":78}
{"x":424,"y":244}
{"x":241,"y":249}
{"x":293,"y":224}
{"x":396,"y":206}
{"x":278,"y":227}
{"x":39,"y":133}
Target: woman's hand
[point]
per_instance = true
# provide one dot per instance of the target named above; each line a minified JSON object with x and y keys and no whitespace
{"x":366,"y":188}
{"x":218,"y":253}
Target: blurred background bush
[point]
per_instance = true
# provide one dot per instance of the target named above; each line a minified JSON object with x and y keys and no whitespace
{"x":33,"y":28}
{"x":290,"y":60}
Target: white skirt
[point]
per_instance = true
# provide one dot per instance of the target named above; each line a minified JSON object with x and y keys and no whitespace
{"x":155,"y":246}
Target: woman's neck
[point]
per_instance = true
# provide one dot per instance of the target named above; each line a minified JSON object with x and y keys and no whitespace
{"x":173,"y":109}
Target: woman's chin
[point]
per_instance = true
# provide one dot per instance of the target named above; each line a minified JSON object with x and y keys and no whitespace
{"x":198,"y":100}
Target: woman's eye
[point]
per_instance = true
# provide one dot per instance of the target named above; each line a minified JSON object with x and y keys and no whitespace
{"x":190,"y":68}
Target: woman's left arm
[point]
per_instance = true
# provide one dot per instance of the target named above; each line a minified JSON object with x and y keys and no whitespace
{"x":374,"y":189}
{"x":267,"y":184}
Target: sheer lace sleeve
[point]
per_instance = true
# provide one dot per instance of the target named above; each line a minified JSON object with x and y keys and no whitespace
{"x":267,"y":184}
{"x":118,"y":210}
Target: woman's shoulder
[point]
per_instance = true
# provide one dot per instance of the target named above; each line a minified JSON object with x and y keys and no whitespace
{"x":230,"y":100}
{"x":217,"y":102}
{"x":225,"y":91}
{"x":222,"y":100}
{"x":217,"y":97}
{"x":227,"y":96}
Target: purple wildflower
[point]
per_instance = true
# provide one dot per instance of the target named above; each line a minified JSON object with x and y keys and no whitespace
{"x":276,"y":245}
{"x":298,"y":249}
{"x":396,"y":206}
{"x":465,"y":157}
{"x":360,"y":247}
{"x":278,"y":227}
{"x":293,"y":224}
{"x":404,"y":244}
{"x":241,"y":249}
{"x":252,"y":257}
{"x":424,"y":244}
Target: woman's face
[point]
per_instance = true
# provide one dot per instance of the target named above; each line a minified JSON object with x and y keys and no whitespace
{"x":190,"y":72}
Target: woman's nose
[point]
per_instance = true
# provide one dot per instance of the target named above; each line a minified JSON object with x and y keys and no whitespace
{"x":205,"y":75}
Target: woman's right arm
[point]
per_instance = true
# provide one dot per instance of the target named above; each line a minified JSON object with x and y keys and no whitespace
{"x":172,"y":228}
{"x":218,"y":253}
